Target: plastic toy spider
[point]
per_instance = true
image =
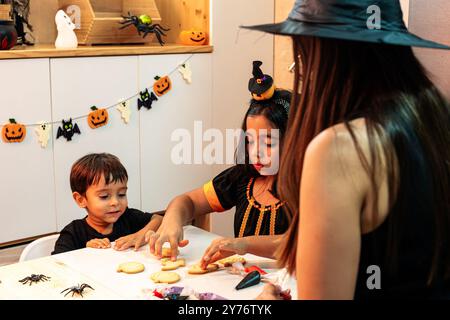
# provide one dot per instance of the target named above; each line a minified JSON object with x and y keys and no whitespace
{"x":77,"y":289}
{"x":34,"y":278}
{"x":144,"y":24}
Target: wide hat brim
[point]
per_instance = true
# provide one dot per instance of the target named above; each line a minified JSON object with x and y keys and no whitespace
{"x":292,"y":27}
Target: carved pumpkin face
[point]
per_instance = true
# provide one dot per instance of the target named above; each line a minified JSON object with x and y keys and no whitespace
{"x":13,"y":132}
{"x":193,"y":37}
{"x":97,"y":118}
{"x":162,"y":85}
{"x":265,"y":95}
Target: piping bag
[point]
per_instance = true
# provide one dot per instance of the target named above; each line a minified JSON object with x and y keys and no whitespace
{"x":278,"y":278}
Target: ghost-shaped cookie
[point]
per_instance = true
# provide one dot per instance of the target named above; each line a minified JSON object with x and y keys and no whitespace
{"x":43,"y":131}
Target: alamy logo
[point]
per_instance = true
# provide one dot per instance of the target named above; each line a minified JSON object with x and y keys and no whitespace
{"x":374,"y":21}
{"x":374,"y":280}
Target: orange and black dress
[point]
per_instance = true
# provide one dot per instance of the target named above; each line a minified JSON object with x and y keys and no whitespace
{"x":234,"y":188}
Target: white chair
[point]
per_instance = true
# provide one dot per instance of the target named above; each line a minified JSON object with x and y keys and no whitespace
{"x":39,"y":248}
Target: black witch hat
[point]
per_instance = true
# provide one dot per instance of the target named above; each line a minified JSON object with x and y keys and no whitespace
{"x":349,"y":20}
{"x":260,"y":82}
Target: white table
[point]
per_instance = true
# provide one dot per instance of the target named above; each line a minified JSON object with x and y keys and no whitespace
{"x":97,"y":267}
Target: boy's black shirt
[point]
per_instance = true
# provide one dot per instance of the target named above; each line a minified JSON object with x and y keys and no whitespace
{"x":77,"y":233}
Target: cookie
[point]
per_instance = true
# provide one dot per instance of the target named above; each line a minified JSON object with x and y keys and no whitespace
{"x":228,"y":261}
{"x":167,"y":252}
{"x":165,"y":277}
{"x":130,"y":267}
{"x":167,"y":264}
{"x":196,"y":269}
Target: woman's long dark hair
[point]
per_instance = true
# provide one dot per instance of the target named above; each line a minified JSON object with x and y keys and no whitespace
{"x":388,"y":87}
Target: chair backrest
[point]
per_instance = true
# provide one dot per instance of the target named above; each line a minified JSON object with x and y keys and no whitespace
{"x":39,"y":248}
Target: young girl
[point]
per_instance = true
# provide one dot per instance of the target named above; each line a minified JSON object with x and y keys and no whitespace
{"x":367,"y":161}
{"x":250,"y":187}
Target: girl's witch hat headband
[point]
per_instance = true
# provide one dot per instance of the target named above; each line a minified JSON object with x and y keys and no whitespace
{"x":262,"y":87}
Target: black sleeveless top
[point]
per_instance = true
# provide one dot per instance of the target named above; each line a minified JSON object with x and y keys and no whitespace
{"x":404,"y":272}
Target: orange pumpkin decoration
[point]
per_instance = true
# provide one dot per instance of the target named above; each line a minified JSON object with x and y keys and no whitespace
{"x":13,"y":132}
{"x":97,"y":118}
{"x":193,"y":37}
{"x":162,"y":85}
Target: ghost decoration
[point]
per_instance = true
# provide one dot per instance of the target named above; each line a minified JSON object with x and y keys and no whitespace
{"x":125,"y":111}
{"x":186,"y":72}
{"x":66,"y":39}
{"x":43,"y":131}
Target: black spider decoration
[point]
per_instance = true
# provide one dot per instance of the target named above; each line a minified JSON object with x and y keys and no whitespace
{"x":34,"y":278}
{"x":144,"y":24}
{"x":146,"y":99}
{"x":68,"y":130}
{"x":77,"y":289}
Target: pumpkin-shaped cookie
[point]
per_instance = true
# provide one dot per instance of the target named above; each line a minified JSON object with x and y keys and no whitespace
{"x":193,"y":37}
{"x":162,"y":85}
{"x":97,"y":117}
{"x":13,"y":132}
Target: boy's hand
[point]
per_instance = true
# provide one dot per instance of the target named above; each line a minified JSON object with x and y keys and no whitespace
{"x":99,"y":243}
{"x":136,"y":239}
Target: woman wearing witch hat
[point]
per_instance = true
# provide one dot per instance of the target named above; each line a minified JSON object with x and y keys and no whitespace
{"x":367,"y":158}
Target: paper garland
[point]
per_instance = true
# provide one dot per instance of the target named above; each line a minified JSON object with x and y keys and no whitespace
{"x":97,"y":117}
{"x":125,"y":110}
{"x":186,"y":72}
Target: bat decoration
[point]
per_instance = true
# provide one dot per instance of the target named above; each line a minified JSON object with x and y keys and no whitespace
{"x":125,"y":111}
{"x":186,"y":72}
{"x":43,"y":131}
{"x":68,"y":130}
{"x":146,"y":99}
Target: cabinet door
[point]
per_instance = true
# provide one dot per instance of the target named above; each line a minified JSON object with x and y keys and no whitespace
{"x":178,"y":109}
{"x":27,"y":177}
{"x":78,"y":84}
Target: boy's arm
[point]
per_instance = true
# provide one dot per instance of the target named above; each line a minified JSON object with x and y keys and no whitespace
{"x":65,"y":242}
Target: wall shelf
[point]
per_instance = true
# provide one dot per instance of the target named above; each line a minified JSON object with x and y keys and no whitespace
{"x":49,"y":51}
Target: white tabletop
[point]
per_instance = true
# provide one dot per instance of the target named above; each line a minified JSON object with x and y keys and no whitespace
{"x":97,"y":267}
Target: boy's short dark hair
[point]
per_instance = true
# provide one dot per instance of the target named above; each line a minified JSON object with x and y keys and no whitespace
{"x":89,"y":169}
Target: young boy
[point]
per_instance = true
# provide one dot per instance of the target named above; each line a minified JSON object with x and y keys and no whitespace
{"x":99,"y":185}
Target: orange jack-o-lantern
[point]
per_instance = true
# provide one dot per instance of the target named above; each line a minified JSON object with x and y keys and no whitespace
{"x":97,"y":117}
{"x":193,"y":37}
{"x":162,"y":85}
{"x":13,"y":132}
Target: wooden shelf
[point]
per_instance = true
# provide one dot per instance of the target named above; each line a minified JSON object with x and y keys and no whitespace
{"x":49,"y":51}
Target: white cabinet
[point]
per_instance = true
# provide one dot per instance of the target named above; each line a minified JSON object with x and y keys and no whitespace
{"x":162,"y":179}
{"x":78,"y":84}
{"x":35,"y":191}
{"x":27,"y":185}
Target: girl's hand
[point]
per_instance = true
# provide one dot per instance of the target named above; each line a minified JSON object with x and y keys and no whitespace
{"x":222,"y":248}
{"x":99,"y":243}
{"x":166,"y":233}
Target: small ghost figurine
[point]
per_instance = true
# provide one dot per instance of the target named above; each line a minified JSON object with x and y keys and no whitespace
{"x":125,"y":111}
{"x":186,"y":72}
{"x":43,"y":132}
{"x":66,"y":39}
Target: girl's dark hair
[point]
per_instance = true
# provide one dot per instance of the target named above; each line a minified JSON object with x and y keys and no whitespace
{"x":275,"y":110}
{"x":89,"y":169}
{"x":389,"y":88}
